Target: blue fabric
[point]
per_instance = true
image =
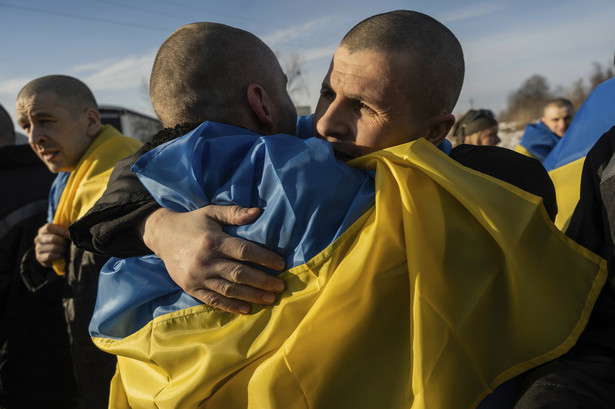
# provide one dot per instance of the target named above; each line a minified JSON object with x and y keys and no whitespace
{"x":592,"y":120}
{"x":55,"y":193}
{"x":446,"y":147}
{"x":308,"y":199}
{"x":305,"y":127}
{"x":539,"y":140}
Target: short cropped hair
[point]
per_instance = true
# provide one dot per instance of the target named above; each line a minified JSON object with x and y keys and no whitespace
{"x":71,"y":92}
{"x":558,"y":103}
{"x":7,"y":130}
{"x":202,"y":71}
{"x":437,"y":58}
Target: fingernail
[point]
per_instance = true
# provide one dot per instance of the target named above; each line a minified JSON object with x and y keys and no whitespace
{"x":280,"y":264}
{"x":279,"y":287}
{"x":251,"y":211}
{"x":244,"y":309}
{"x":269,"y":298}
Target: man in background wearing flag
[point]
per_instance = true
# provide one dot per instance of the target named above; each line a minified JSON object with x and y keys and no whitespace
{"x":565,"y":162}
{"x":540,"y":138}
{"x":60,"y":116}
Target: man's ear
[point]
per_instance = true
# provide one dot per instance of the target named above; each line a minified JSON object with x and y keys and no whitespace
{"x":439,"y":128}
{"x":260,"y":105}
{"x":93,"y":122}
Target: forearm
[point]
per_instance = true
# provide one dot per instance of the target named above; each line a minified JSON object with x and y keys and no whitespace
{"x":113,"y":225}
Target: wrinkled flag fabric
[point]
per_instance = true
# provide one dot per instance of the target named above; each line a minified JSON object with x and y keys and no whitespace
{"x":441,"y":284}
{"x":87,"y":182}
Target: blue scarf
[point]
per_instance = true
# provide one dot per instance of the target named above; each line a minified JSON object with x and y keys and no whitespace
{"x":55,"y":193}
{"x":539,"y":140}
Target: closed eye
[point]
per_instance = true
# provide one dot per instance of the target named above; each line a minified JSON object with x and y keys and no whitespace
{"x":366,"y":108}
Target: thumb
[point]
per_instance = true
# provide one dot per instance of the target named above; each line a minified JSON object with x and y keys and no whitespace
{"x":232,"y":215}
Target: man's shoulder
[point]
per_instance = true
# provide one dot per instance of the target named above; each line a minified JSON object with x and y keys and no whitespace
{"x":509,"y":166}
{"x":468,"y":155}
{"x":110,"y":146}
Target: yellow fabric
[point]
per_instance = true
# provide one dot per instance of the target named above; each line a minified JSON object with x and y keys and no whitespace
{"x":88,"y":180}
{"x":567,"y":182}
{"x":451,"y":284}
{"x":523,"y":150}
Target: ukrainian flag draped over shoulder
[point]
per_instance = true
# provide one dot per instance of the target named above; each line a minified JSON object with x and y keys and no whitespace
{"x":537,"y":141}
{"x":565,"y":162}
{"x":88,"y":180}
{"x":449,"y":284}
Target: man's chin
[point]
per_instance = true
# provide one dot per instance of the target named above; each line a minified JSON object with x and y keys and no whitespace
{"x":57,"y":167}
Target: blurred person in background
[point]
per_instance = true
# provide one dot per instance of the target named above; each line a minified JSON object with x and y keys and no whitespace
{"x":477,"y":127}
{"x":540,"y":138}
{"x":34,"y":348}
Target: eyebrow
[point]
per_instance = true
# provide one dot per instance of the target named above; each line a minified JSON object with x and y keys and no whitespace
{"x":356,"y":97}
{"x":40,"y":113}
{"x":22,"y":119}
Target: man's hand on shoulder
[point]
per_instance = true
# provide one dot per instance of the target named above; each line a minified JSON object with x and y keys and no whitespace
{"x":50,"y":244}
{"x":209,"y":264}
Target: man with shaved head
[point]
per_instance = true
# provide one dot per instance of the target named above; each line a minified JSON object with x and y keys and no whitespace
{"x":60,"y":116}
{"x":540,"y":138}
{"x":392,"y":110}
{"x":182,"y":89}
{"x":394,"y":78}
{"x":376,"y":106}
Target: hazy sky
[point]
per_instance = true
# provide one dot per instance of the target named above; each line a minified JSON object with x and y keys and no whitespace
{"x":111,"y":44}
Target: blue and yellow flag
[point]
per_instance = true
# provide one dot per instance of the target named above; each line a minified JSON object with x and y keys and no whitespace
{"x":565,"y":162}
{"x":434,"y":285}
{"x":537,"y":141}
{"x":88,"y":180}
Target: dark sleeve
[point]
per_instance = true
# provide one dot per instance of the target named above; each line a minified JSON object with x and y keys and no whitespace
{"x":38,"y":279}
{"x":593,"y":223}
{"x":111,"y":226}
{"x":505,"y":164}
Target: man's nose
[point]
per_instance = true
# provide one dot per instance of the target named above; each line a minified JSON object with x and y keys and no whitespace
{"x":335,"y":122}
{"x":36,"y":135}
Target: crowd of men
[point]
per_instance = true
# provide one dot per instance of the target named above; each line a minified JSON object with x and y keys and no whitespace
{"x":351,"y":258}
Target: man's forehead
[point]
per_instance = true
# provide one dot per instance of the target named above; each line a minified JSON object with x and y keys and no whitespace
{"x":35,"y":102}
{"x":368,"y":74}
{"x":555,"y":111}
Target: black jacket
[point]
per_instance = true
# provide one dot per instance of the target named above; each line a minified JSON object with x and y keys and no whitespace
{"x":35,"y":363}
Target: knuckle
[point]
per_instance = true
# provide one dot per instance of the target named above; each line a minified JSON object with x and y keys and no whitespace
{"x":227,"y":288}
{"x":210,"y":299}
{"x":209,"y":243}
{"x":243,"y":250}
{"x":234,"y":213}
{"x":238,"y":274}
{"x":214,"y":300}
